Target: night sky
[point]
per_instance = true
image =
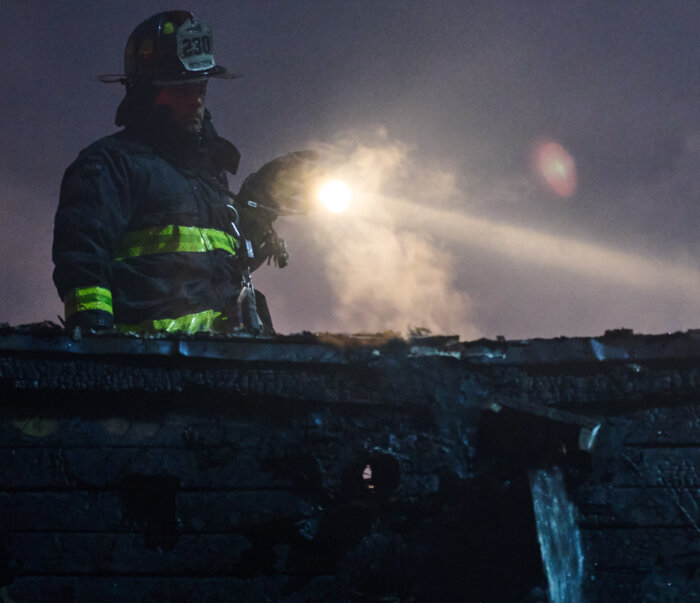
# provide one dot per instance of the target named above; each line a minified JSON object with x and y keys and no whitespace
{"x":432,"y":111}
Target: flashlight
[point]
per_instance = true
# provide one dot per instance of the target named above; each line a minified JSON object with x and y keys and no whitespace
{"x":334,"y":195}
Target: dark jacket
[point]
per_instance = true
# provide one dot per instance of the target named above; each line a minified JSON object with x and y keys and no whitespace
{"x":143,"y":239}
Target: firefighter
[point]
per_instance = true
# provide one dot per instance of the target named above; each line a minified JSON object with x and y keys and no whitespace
{"x":147,"y":236}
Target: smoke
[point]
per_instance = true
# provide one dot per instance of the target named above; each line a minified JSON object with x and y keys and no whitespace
{"x":386,"y":272}
{"x":402,"y":255}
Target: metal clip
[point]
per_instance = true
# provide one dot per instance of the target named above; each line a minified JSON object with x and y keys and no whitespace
{"x":235,"y":220}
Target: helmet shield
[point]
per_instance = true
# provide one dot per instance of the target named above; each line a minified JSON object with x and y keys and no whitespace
{"x":194,"y":46}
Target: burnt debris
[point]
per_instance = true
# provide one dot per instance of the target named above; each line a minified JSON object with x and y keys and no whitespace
{"x":321,"y":467}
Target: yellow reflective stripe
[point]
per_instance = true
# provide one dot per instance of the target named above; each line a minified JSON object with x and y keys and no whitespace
{"x":87,"y":298}
{"x":172,"y":238}
{"x":207,"y":320}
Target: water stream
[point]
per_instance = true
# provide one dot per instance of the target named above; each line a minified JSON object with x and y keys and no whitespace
{"x":558,"y":535}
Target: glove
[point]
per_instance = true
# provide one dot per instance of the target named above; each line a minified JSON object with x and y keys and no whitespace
{"x":275,"y":248}
{"x":267,"y":246}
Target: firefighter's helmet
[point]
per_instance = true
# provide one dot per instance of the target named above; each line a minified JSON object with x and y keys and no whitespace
{"x":170,"y":47}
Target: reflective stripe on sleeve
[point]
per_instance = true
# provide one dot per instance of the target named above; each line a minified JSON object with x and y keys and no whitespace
{"x":88,"y":298}
{"x":168,"y":239}
{"x":208,"y":320}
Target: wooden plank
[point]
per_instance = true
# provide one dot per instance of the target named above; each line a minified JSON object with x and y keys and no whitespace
{"x":77,"y":511}
{"x":677,"y":467}
{"x":608,"y":506}
{"x":663,"y":585}
{"x":640,"y":549}
{"x":142,"y":589}
{"x":171,"y":429}
{"x":105,"y":512}
{"x":52,"y":468}
{"x":664,"y":426}
{"x":113,"y":553}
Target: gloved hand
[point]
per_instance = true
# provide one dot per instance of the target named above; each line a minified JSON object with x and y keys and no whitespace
{"x":268,"y":245}
{"x":276,"y":249}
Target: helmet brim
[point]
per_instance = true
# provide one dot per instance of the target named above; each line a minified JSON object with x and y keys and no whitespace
{"x":217,"y":71}
{"x":112,"y":78}
{"x":223,"y":73}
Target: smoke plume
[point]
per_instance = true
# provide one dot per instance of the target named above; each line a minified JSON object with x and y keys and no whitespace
{"x":385,"y":271}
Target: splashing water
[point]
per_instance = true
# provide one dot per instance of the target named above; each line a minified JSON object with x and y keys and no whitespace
{"x":558,"y":535}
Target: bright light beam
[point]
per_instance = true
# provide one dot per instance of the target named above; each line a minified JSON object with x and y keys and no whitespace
{"x":335,"y":196}
{"x":586,"y":259}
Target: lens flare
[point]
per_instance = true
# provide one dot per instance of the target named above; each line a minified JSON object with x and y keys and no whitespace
{"x":556,"y":167}
{"x":334,"y":195}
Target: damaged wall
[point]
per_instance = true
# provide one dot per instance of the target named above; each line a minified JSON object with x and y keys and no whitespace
{"x":328,"y":468}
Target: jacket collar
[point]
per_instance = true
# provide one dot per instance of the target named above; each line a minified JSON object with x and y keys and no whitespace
{"x":190,"y":153}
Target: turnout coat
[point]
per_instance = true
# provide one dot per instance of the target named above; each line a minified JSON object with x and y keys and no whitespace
{"x":146,"y":238}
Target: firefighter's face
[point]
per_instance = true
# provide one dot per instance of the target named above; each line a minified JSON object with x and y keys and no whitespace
{"x":186,"y":101}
